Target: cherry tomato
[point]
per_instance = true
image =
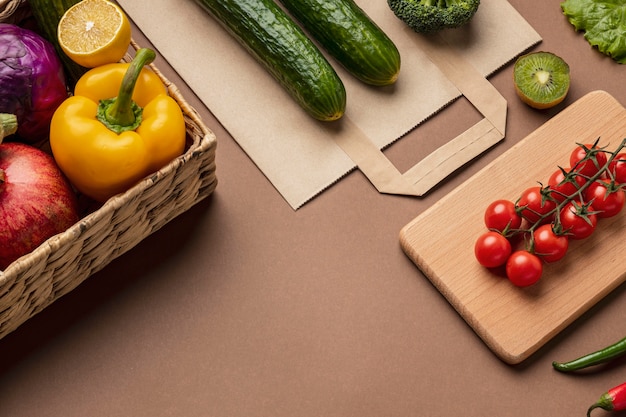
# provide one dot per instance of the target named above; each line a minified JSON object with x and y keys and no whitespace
{"x":523,"y":268}
{"x":492,"y":249}
{"x":549,"y":246}
{"x":607,"y":199}
{"x":585,"y":165}
{"x":564,"y":183}
{"x":534,"y":203}
{"x":617,"y":168}
{"x":578,"y":221}
{"x":501,"y":215}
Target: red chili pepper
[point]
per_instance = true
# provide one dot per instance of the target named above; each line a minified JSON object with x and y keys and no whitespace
{"x":612,"y":400}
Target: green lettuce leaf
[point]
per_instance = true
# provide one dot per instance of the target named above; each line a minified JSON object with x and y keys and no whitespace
{"x":604,"y":23}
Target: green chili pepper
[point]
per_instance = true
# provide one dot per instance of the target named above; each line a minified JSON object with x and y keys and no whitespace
{"x":595,"y":358}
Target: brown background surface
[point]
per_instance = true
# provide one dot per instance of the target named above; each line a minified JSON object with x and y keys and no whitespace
{"x":244,"y":307}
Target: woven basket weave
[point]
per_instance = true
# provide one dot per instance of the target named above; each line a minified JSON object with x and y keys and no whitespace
{"x":60,"y":264}
{"x":12,"y":11}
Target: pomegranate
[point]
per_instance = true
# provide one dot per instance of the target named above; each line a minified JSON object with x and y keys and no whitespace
{"x":36,"y":200}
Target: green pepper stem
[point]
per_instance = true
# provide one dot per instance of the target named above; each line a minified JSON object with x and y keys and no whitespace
{"x":605,"y":402}
{"x":8,"y":125}
{"x":121,"y":113}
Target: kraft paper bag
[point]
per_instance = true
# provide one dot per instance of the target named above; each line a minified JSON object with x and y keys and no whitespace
{"x":302,"y":157}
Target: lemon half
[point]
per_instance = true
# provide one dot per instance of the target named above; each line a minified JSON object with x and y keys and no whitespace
{"x":94,"y":33}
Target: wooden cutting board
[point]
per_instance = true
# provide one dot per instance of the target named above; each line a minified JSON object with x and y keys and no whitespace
{"x":515,"y":322}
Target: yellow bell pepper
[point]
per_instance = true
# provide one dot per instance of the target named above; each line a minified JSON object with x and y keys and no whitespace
{"x":119,"y":126}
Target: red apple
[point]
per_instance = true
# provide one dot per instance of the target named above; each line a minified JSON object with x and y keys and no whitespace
{"x":36,"y":200}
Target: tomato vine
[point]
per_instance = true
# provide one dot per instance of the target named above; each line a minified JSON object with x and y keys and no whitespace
{"x":546,"y":217}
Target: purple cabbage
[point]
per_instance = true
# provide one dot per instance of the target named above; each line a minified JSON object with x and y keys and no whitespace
{"x":32,"y":81}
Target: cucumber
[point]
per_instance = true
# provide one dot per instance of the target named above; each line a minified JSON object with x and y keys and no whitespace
{"x":350,"y":36}
{"x":47,"y":14}
{"x":281,"y":46}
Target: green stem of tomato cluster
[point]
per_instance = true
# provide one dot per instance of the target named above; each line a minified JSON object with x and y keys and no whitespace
{"x":577,"y":196}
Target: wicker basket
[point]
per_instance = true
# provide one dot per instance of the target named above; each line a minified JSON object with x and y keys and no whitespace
{"x":13,"y":11}
{"x":55,"y":268}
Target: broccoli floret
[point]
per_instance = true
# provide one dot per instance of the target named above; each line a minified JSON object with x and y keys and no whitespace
{"x":425,"y":16}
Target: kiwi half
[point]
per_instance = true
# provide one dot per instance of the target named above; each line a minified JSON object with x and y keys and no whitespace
{"x":541,"y":79}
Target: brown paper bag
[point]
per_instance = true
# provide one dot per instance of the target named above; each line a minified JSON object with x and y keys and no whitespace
{"x":435,"y":167}
{"x":303,"y":157}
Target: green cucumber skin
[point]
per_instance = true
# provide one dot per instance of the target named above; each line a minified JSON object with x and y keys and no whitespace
{"x":280,"y":45}
{"x":351,"y":37}
{"x":47,"y":14}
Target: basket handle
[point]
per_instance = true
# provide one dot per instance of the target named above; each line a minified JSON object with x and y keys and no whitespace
{"x":442,"y":162}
